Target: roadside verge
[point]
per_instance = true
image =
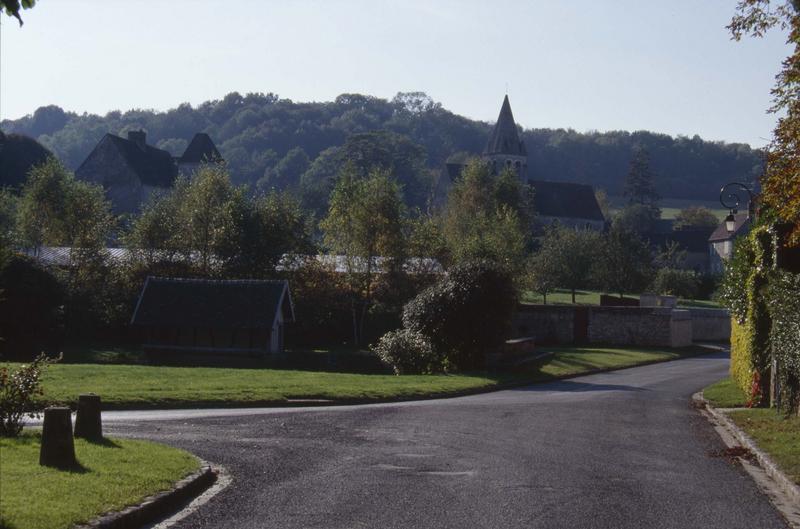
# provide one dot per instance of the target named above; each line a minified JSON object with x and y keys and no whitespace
{"x":782,"y":492}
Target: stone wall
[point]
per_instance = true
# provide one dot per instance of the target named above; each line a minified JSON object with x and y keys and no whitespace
{"x":636,"y":326}
{"x":550,"y":324}
{"x":711,"y":325}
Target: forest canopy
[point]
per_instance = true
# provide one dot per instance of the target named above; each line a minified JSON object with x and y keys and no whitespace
{"x":271,"y":142}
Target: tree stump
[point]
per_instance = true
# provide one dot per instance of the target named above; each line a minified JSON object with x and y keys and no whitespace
{"x":58,"y":448}
{"x":88,"y":424}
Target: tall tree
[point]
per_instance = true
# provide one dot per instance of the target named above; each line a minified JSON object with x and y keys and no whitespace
{"x":483,"y":218}
{"x":640,"y":182}
{"x":365,"y":222}
{"x":624,"y":262}
{"x":780,"y":183}
{"x":576,"y":255}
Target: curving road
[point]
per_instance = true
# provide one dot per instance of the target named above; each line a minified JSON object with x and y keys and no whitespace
{"x":614,"y":450}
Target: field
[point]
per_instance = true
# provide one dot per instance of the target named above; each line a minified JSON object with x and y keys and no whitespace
{"x":671,"y":206}
{"x":112,"y":475}
{"x":144,"y":386}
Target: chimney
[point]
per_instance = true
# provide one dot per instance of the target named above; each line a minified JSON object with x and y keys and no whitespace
{"x":138,"y":136}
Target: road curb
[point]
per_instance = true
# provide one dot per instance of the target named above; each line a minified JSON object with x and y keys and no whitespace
{"x":154,"y":507}
{"x":786,"y":486}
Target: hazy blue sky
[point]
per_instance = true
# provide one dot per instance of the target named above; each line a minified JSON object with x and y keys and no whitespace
{"x":666,"y":66}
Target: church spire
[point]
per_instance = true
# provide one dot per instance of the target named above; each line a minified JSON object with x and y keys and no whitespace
{"x":505,"y":138}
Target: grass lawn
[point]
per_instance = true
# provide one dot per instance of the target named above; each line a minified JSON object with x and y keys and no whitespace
{"x":114,"y":474}
{"x":142,"y":386}
{"x":725,"y":394}
{"x":592,"y":297}
{"x":775,"y":434}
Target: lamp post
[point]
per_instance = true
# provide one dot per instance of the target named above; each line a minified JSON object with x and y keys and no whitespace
{"x":729,"y":197}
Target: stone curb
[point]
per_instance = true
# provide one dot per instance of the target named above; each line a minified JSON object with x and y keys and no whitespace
{"x":786,"y":485}
{"x":158,"y":505}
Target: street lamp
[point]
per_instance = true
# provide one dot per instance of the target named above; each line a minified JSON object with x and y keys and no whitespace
{"x":730,"y":199}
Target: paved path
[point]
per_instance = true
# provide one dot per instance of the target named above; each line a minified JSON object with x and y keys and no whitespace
{"x":613,"y":450}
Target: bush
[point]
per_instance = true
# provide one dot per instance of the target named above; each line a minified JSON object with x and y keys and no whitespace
{"x":17,"y":392}
{"x":408,"y":352}
{"x":31,"y":309}
{"x":673,"y":282}
{"x":466,"y":314}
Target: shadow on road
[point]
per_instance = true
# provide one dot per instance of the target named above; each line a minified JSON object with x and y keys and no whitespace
{"x":575,"y":387}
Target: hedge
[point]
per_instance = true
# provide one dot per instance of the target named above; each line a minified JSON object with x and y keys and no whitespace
{"x":765,"y":312}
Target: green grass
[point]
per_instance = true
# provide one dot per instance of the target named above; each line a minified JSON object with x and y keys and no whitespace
{"x":775,"y":434}
{"x":671,"y":206}
{"x":140,"y":386}
{"x":114,"y":474}
{"x":725,"y":394}
{"x":592,"y":297}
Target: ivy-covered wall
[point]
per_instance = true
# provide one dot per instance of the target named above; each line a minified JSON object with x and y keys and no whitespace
{"x":784,"y":303}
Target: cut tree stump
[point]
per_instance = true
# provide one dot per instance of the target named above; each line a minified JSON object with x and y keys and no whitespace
{"x":58,"y":448}
{"x":88,"y":424}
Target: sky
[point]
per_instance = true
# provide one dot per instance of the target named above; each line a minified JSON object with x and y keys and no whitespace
{"x":668,"y":67}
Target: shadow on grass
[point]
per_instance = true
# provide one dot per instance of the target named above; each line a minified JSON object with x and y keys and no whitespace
{"x":104,"y":442}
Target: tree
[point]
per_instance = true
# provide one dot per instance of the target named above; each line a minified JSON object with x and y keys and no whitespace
{"x":605,"y":204}
{"x":55,"y":209}
{"x":364,"y":223}
{"x":574,"y":254}
{"x":624,"y":262}
{"x":696,"y":217}
{"x":542,"y":270}
{"x":483,"y":218}
{"x":780,"y":183}
{"x":637,"y":218}
{"x":13,"y":7}
{"x":639,"y":183}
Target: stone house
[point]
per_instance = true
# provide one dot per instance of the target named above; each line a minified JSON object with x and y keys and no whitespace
{"x":231,"y":317}
{"x":131,"y":171}
{"x":720,"y":243}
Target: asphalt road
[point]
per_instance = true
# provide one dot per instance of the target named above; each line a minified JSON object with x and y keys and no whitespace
{"x":614,"y":450}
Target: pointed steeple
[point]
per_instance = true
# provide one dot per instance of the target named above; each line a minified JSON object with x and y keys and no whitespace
{"x":505,"y":138}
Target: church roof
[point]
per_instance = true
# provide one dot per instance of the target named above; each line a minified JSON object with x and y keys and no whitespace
{"x":505,"y":138}
{"x":200,"y":149}
{"x":565,"y":199}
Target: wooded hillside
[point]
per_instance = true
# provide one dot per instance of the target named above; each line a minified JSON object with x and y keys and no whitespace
{"x":272,"y":142}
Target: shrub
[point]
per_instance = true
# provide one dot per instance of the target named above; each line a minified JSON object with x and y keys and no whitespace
{"x":673,"y":282}
{"x":408,"y":352}
{"x":465,"y":314}
{"x":31,"y":309}
{"x":18,"y":390}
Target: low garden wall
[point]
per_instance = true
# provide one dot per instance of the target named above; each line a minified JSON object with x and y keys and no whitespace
{"x":711,"y":325}
{"x":637,"y":326}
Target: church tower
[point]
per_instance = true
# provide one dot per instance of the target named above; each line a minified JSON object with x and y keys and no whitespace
{"x":505,"y":149}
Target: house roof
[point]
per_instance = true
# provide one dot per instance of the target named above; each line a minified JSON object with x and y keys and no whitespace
{"x":694,"y":241}
{"x":153,"y":166}
{"x":224,"y":304}
{"x":200,"y":149}
{"x":742,"y":223}
{"x":565,"y":199}
{"x":505,"y":137}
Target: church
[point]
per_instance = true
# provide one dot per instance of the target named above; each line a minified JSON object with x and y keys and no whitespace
{"x":569,"y":204}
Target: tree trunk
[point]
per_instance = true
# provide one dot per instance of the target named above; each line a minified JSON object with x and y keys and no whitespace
{"x":573,"y":296}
